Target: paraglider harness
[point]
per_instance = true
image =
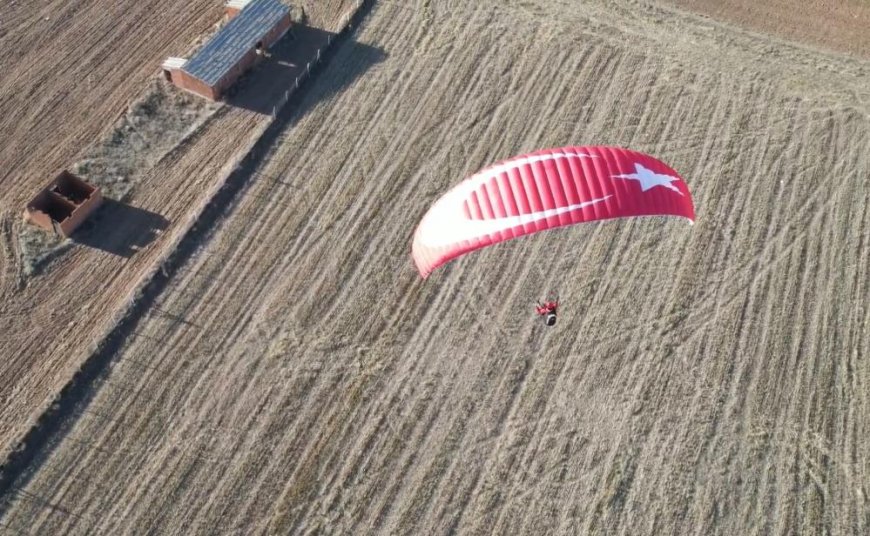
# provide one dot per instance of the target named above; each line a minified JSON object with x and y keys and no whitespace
{"x":548,"y":311}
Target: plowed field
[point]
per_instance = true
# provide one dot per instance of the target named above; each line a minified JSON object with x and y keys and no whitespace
{"x":296,"y":376}
{"x":64,"y":82}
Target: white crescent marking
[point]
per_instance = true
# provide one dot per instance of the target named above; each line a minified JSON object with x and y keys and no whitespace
{"x":446,"y":224}
{"x":453,"y":230}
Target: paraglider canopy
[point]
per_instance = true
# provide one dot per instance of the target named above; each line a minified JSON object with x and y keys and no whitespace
{"x":542,"y":190}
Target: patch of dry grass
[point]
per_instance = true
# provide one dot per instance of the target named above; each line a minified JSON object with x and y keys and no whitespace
{"x":152,"y":127}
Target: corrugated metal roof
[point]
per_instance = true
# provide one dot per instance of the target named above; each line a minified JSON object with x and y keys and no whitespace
{"x":235,"y":39}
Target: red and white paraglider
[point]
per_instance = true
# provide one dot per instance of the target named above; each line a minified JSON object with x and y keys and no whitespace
{"x":542,"y":190}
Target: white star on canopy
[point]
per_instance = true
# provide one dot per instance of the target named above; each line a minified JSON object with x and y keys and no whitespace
{"x":649,"y":179}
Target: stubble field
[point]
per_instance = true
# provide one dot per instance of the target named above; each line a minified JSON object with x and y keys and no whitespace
{"x":66,"y":79}
{"x":296,"y":375}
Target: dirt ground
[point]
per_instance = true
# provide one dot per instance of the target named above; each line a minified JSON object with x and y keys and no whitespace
{"x":53,"y":107}
{"x":296,"y":376}
{"x":836,"y":25}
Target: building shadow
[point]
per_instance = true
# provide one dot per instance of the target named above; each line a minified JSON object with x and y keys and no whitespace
{"x":120,"y":229}
{"x":267,"y":86}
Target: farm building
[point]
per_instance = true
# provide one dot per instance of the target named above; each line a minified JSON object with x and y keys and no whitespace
{"x":254,"y":26}
{"x":64,"y":204}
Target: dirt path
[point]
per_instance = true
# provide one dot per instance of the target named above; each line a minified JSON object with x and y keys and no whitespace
{"x":704,"y":379}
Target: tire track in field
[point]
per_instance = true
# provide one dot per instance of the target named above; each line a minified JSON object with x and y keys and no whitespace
{"x":283,"y":391}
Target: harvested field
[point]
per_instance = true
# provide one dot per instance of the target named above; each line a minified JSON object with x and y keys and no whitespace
{"x":840,"y":25}
{"x":50,"y":324}
{"x":156,"y":124}
{"x":706,"y":380}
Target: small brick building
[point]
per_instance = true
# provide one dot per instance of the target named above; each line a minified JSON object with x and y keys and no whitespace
{"x":254,"y":26}
{"x":64,"y":204}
